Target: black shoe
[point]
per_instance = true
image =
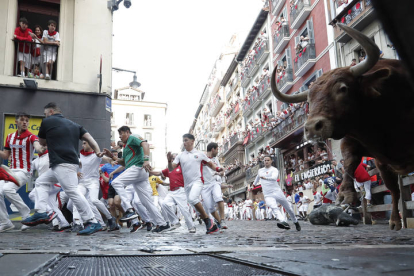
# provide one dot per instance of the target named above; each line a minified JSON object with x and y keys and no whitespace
{"x":129,"y":215}
{"x":62,"y":229}
{"x":283,"y":225}
{"x":210,"y":226}
{"x":112,"y":224}
{"x":56,"y":228}
{"x":161,"y":228}
{"x":76,"y":228}
{"x":149,"y":226}
{"x":129,"y":223}
{"x":135,"y":227}
{"x":297,"y":226}
{"x":200,"y":221}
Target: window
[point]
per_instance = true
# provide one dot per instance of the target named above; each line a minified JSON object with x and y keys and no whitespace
{"x":309,"y":81}
{"x":286,"y":60}
{"x":34,"y":61}
{"x":147,"y":120}
{"x":129,"y":119}
{"x":148,"y":136}
{"x":270,"y":106}
{"x":306,"y":36}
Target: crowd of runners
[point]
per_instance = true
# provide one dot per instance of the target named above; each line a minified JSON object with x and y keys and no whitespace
{"x":68,"y":183}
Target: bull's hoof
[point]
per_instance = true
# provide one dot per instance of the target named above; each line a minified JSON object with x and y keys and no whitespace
{"x":395,"y":225}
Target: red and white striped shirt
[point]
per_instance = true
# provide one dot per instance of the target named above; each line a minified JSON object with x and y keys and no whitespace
{"x":21,"y":148}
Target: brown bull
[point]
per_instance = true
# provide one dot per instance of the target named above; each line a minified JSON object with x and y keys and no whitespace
{"x":371,"y":108}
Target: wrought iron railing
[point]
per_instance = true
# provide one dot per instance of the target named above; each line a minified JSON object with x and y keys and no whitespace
{"x":252,"y":172}
{"x":281,"y":33}
{"x":307,"y":53}
{"x":263,"y":85}
{"x":261,"y":49}
{"x":287,"y":76}
{"x":289,"y":124}
{"x":296,"y":9}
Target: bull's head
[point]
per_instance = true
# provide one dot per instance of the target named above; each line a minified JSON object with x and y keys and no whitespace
{"x":335,"y":96}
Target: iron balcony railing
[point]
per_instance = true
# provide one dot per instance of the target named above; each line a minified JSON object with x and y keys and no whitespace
{"x":37,"y":60}
{"x":261,"y":49}
{"x":307,"y":53}
{"x":281,"y":33}
{"x":234,"y":139}
{"x":246,"y":106}
{"x":263,"y":85}
{"x":297,"y":8}
{"x":254,"y":97}
{"x":289,"y":124}
{"x":252,"y":172}
{"x":287,"y":76}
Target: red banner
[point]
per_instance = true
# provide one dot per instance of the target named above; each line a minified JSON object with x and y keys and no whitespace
{"x":236,"y":108}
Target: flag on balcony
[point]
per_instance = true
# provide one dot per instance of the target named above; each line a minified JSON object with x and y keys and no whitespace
{"x":304,"y":50}
{"x":296,"y":59}
{"x":246,"y":140}
{"x":300,"y":54}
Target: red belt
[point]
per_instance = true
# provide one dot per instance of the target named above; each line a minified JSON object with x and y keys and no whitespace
{"x":175,"y":189}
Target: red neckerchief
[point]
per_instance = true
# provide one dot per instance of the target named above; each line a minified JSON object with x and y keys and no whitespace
{"x":51,"y":34}
{"x":86,"y":153}
{"x":39,"y":36}
{"x":41,"y":154}
{"x":24,"y":134}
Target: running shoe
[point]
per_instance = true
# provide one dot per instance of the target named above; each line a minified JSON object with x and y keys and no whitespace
{"x":129,"y":223}
{"x":192,"y":230}
{"x":135,"y":227}
{"x":175,"y":226}
{"x":223,"y":224}
{"x":211,"y":226}
{"x":283,"y":225}
{"x":7,"y":175}
{"x":112,"y":224}
{"x":52,"y":216}
{"x":200,"y":221}
{"x":161,"y":228}
{"x":128,"y":215}
{"x":90,"y":228}
{"x":56,"y":228}
{"x":104,"y":228}
{"x":24,"y":228}
{"x":149,"y":226}
{"x":76,"y":228}
{"x":35,"y":219}
{"x":297,"y":226}
{"x":6,"y":227}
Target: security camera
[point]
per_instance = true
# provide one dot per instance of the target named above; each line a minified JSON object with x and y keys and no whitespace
{"x":127,"y":3}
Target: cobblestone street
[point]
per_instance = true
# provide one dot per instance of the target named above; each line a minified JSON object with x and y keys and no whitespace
{"x":325,"y":249}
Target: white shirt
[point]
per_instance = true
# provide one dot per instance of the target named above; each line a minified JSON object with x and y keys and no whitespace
{"x":248,"y":203}
{"x":90,"y":166}
{"x":209,"y":175}
{"x":269,"y":184}
{"x":162,"y":191}
{"x":317,"y":198}
{"x":50,"y":38}
{"x":40,"y":164}
{"x":304,"y":200}
{"x":192,"y":165}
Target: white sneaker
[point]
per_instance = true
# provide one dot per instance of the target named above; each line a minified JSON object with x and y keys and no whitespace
{"x":47,"y":77}
{"x":192,"y":230}
{"x":6,"y":227}
{"x":175,"y":226}
{"x":24,"y":228}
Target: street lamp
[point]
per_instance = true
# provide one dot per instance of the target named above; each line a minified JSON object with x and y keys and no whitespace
{"x":133,"y":83}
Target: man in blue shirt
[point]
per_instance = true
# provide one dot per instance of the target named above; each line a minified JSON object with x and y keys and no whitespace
{"x":262,"y":208}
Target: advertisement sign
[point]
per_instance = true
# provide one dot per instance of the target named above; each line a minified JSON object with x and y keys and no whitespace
{"x":312,"y":172}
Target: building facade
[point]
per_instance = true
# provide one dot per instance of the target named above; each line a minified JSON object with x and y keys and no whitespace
{"x":148,"y":119}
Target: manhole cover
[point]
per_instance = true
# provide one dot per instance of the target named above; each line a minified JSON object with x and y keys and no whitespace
{"x":152,"y":265}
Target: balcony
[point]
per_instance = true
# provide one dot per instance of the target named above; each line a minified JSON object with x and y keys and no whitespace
{"x":234,"y":113}
{"x":305,"y":60}
{"x":262,"y":52}
{"x":251,"y":173}
{"x":245,"y":80}
{"x":285,"y":81}
{"x":254,"y":99}
{"x":277,"y":5}
{"x":289,"y":125}
{"x":264,"y":87}
{"x":216,"y":106}
{"x":235,"y":174}
{"x":252,"y":66}
{"x":228,"y":91}
{"x":281,"y":39}
{"x":36,"y":58}
{"x":256,"y":133}
{"x":235,"y":81}
{"x":219,"y":126}
{"x":246,"y":109}
{"x":234,"y":140}
{"x":299,"y":13}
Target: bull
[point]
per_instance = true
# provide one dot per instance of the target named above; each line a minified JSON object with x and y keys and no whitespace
{"x":370,"y":107}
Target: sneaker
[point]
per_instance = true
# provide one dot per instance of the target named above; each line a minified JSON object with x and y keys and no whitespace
{"x":104,"y":228}
{"x":52,"y":216}
{"x":283,"y":225}
{"x":128,"y":215}
{"x":35,"y":219}
{"x":62,"y":229}
{"x":76,"y":228}
{"x":218,"y":224}
{"x":175,"y":226}
{"x":297,"y":226}
{"x":6,"y":227}
{"x":90,"y":228}
{"x":223,"y":224}
{"x":200,"y":221}
{"x":211,"y":226}
{"x":47,"y":77}
{"x":112,"y":224}
{"x":24,"y":228}
{"x":161,"y":228}
{"x":55,"y":228}
{"x":7,"y":175}
{"x":192,"y":230}
{"x":129,"y":223}
{"x":135,"y":227}
{"x":149,"y":226}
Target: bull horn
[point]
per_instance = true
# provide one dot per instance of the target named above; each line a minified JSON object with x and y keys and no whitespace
{"x":371,"y":49}
{"x":297,"y":98}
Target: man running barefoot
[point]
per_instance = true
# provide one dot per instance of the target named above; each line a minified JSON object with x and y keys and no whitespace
{"x":273,"y":194}
{"x":192,"y":161}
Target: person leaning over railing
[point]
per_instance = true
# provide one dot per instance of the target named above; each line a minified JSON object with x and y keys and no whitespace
{"x":50,"y":37}
{"x":22,"y":34}
{"x":36,"y":53}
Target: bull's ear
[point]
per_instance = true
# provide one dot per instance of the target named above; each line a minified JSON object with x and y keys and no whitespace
{"x":373,"y":80}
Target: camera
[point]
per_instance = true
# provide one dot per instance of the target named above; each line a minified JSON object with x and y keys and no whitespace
{"x":127,"y":3}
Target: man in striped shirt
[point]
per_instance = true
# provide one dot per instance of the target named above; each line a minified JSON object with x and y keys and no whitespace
{"x":19,"y":146}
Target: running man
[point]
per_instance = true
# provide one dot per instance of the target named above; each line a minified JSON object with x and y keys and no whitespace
{"x":136,"y":162}
{"x":62,"y":139}
{"x":273,"y":193}
{"x":19,"y":146}
{"x":192,"y":161}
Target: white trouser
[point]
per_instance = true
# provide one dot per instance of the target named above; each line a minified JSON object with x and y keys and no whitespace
{"x":262,"y":213}
{"x":231,"y":213}
{"x":137,"y":205}
{"x":367,"y":188}
{"x":211,"y":195}
{"x":66,"y":176}
{"x":283,"y":213}
{"x":9,"y":190}
{"x":249,"y":212}
{"x":179,"y":198}
{"x":138,"y":177}
{"x":156,"y":200}
{"x":91,"y":186}
{"x":273,"y":199}
{"x":52,"y":204}
{"x":268,"y":213}
{"x":258,"y":214}
{"x":193,"y":191}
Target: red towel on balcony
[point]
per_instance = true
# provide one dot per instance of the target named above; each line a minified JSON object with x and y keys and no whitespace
{"x":296,"y":59}
{"x":300,"y":54}
{"x":304,"y":49}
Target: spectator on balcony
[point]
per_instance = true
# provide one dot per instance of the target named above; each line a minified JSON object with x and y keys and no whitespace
{"x":36,"y":72}
{"x":36,"y":51}
{"x":283,"y":20}
{"x":22,"y":34}
{"x":361,"y":59}
{"x":353,"y":63}
{"x":50,"y":37}
{"x":298,"y":49}
{"x":301,"y":164}
{"x":265,"y":5}
{"x":304,"y":41}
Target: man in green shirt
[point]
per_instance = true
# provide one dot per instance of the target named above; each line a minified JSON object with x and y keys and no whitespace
{"x":136,"y":162}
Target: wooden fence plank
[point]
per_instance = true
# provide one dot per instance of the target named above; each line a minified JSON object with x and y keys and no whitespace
{"x":408,"y":180}
{"x":379,"y":189}
{"x":379,"y":208}
{"x":409,"y":205}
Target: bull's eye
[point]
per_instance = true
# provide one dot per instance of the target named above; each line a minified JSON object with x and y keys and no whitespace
{"x":343,"y":88}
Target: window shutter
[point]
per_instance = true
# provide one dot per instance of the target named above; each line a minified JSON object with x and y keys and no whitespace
{"x":280,"y":63}
{"x":289,"y":57}
{"x":319,"y":73}
{"x":309,"y":26}
{"x":297,"y":40}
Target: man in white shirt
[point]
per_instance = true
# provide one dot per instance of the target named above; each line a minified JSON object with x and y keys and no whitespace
{"x":303,"y":205}
{"x":192,"y":161}
{"x":248,"y":204}
{"x":273,"y":194}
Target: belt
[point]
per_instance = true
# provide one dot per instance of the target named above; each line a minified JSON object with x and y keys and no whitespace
{"x":175,"y":189}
